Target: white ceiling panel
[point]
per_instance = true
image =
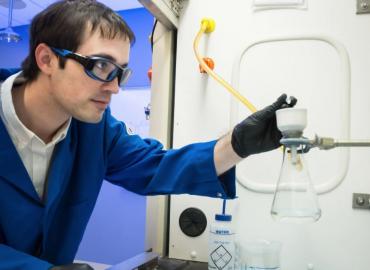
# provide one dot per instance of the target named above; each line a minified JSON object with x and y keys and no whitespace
{"x":25,"y":10}
{"x":122,"y":4}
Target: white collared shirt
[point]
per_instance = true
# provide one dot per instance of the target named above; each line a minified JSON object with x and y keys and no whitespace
{"x":34,"y":153}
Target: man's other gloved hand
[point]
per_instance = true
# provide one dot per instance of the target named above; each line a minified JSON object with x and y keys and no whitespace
{"x":73,"y":266}
{"x":259,"y":133}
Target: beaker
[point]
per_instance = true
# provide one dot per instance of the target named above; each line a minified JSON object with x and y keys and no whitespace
{"x":295,"y":198}
{"x":258,"y":254}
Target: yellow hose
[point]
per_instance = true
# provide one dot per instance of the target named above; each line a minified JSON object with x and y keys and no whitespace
{"x":207,"y":25}
{"x":204,"y":26}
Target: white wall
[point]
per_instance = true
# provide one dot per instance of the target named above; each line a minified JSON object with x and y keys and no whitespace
{"x":309,"y":70}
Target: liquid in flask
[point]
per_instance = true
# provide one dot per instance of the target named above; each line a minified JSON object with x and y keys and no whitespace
{"x":295,"y":199}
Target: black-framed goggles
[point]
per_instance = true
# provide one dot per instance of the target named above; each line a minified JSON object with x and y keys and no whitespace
{"x":98,"y":68}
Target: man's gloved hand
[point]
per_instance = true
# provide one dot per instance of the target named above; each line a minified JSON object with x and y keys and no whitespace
{"x":259,"y":133}
{"x":73,"y":266}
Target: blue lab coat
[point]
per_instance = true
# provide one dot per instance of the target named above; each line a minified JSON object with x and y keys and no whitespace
{"x":51,"y":229}
{"x":6,"y":72}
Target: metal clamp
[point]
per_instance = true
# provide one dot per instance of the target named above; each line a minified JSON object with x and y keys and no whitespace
{"x":323,"y":143}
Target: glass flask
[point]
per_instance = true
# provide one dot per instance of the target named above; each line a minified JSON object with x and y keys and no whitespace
{"x":295,"y":199}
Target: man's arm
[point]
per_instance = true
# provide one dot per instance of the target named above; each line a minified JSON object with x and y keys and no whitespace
{"x":224,"y":155}
{"x":256,"y":134}
{"x":11,"y":258}
{"x":14,"y":259}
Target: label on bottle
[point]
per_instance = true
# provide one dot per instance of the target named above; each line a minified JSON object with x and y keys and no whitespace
{"x":221,"y":250}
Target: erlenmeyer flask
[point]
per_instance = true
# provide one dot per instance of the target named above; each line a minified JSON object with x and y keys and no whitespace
{"x":295,"y":198}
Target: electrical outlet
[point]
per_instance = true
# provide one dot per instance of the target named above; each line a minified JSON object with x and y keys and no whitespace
{"x":361,"y":201}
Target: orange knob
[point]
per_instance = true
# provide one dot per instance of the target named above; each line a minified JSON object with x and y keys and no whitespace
{"x":209,"y":62}
{"x":150,"y":72}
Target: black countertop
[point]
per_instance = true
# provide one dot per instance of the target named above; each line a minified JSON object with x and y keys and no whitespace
{"x":173,"y":264}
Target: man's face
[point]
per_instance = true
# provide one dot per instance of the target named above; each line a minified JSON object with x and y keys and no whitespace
{"x":78,"y":95}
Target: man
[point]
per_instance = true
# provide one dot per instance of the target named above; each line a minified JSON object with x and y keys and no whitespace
{"x":58,"y":140}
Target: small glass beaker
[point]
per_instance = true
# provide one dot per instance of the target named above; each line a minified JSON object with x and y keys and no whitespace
{"x":258,"y":254}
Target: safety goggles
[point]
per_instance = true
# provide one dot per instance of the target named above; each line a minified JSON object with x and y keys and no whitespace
{"x":98,"y":68}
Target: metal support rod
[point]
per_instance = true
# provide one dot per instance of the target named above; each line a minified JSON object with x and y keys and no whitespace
{"x":365,"y":143}
{"x":323,"y":143}
{"x":329,"y":143}
{"x":10,"y":13}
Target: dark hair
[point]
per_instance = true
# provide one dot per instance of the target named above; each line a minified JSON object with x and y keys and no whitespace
{"x":64,"y":25}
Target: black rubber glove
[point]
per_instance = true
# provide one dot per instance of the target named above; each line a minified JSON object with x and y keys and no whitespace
{"x":73,"y":266}
{"x":259,"y":133}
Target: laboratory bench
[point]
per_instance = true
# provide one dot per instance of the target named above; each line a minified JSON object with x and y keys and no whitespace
{"x":150,"y":261}
{"x":173,"y":264}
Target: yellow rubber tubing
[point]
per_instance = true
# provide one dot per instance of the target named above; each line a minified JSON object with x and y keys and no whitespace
{"x":208,"y":25}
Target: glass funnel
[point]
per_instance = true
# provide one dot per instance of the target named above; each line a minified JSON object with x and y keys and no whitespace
{"x":295,"y":198}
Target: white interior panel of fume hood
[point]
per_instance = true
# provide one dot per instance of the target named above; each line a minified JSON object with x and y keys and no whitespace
{"x":202,"y":112}
{"x":192,"y":248}
{"x":314,"y":70}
